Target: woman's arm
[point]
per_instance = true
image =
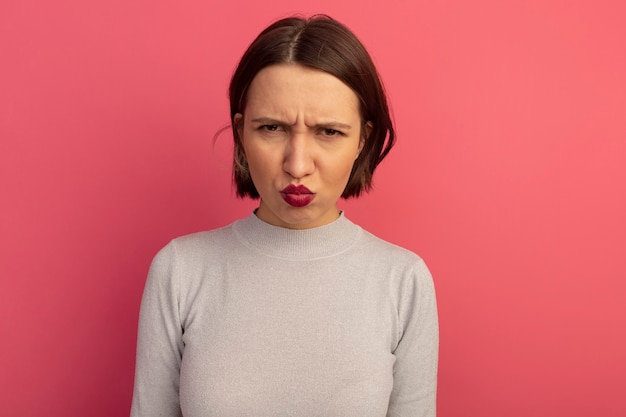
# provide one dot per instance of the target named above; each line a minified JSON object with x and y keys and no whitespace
{"x":414,"y":391}
{"x":159,"y":341}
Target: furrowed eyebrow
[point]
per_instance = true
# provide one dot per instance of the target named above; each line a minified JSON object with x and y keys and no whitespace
{"x":268,"y":121}
{"x":325,"y":125}
{"x":334,"y":125}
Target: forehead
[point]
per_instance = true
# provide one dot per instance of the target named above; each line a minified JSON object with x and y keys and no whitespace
{"x":289,"y":90}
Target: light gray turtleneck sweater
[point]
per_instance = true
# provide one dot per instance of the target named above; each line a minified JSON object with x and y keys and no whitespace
{"x":257,"y":320}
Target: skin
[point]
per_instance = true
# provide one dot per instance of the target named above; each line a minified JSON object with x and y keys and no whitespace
{"x":300,"y":126}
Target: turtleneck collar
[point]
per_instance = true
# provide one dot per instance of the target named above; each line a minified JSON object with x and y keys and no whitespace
{"x":319,"y":242}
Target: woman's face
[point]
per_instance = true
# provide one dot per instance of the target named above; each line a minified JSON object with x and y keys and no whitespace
{"x":301,"y":133}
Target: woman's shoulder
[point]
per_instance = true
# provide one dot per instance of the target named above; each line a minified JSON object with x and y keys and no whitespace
{"x":205,"y":237}
{"x":202,"y":244}
{"x":384,"y":248}
{"x":403,"y":270}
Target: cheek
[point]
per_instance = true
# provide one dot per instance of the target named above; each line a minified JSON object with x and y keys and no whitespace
{"x":261,"y":164}
{"x":340,"y":168}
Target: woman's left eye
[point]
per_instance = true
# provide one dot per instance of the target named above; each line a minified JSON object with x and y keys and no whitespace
{"x":332,"y":132}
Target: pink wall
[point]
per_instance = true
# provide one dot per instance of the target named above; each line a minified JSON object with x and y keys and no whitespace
{"x":508,"y":178}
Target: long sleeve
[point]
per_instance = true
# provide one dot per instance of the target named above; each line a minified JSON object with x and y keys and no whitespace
{"x":415,"y":369}
{"x":329,"y":321}
{"x":159,"y":342}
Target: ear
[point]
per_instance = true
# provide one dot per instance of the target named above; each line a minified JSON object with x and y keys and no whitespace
{"x":238,"y":124}
{"x":365,"y":134}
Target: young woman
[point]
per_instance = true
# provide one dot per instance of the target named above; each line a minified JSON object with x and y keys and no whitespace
{"x":294,"y":310}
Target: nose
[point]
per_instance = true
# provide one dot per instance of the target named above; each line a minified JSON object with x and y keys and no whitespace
{"x":298,"y":161}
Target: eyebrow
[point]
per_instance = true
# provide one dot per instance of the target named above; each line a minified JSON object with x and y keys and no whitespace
{"x":332,"y":124}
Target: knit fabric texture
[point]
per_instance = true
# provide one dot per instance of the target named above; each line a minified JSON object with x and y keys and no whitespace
{"x":257,"y":320}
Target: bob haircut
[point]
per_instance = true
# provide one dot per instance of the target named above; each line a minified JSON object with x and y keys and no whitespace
{"x":324,"y":44}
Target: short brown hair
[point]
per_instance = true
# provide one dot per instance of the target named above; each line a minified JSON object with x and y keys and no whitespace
{"x":321,"y":43}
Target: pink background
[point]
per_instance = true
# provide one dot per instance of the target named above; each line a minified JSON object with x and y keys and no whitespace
{"x":509,"y":178}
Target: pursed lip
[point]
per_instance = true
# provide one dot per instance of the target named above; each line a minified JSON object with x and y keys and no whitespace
{"x":297,"y":195}
{"x":296,"y":189}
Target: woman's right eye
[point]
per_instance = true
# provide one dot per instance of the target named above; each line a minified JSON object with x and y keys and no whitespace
{"x":270,"y":128}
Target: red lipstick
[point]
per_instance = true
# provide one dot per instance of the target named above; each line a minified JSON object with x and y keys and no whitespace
{"x":297,"y":195}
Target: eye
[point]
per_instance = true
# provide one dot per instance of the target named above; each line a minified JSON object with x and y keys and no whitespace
{"x":331,"y":132}
{"x":270,"y":128}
